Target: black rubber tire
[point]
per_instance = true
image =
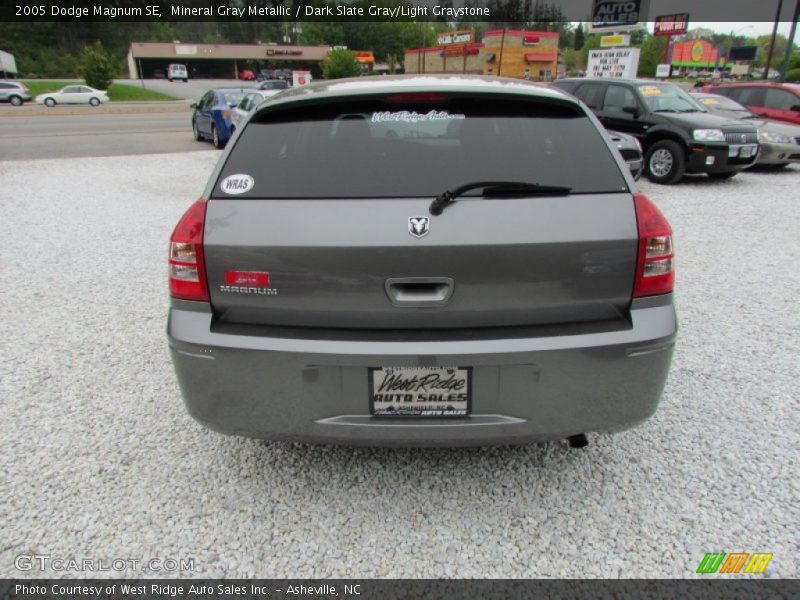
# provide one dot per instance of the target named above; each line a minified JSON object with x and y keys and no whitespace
{"x":94,"y":101}
{"x":196,"y":132}
{"x":726,"y":175}
{"x":678,"y":162}
{"x":218,"y":143}
{"x":15,"y":101}
{"x":49,"y":102}
{"x":169,"y":79}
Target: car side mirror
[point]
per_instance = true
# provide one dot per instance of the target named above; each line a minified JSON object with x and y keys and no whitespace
{"x":631,"y":110}
{"x":193,"y":105}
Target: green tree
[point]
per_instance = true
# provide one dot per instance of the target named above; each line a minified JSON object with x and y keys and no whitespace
{"x":763,"y":42}
{"x":592,"y":43}
{"x":580,"y":38}
{"x":96,"y":67}
{"x":651,"y":54}
{"x":341,"y":63}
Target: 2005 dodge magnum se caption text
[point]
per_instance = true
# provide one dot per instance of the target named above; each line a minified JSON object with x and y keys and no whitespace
{"x":417,"y":261}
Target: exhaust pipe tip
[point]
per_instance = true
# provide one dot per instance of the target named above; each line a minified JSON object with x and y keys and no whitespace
{"x":578,"y":441}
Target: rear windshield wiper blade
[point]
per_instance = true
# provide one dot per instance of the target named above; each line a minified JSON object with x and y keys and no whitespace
{"x":495,"y":189}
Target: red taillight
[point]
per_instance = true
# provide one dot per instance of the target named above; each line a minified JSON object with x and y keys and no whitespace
{"x":187,"y":269}
{"x":655,"y":263}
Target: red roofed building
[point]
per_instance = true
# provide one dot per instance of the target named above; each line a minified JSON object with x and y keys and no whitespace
{"x":517,"y":53}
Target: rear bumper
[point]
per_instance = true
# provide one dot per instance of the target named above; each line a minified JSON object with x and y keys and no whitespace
{"x":524,"y":389}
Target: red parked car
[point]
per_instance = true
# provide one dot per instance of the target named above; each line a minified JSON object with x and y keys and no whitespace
{"x":779,"y":101}
{"x":247,"y":75}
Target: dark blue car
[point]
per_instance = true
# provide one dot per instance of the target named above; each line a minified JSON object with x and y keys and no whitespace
{"x":212,"y":115}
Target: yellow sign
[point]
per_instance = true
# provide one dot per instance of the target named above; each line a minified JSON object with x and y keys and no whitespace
{"x":697,"y":51}
{"x":650,"y":90}
{"x":615,"y":40}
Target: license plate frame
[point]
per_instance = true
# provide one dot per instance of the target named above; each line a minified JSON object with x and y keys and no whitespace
{"x":451,"y":386}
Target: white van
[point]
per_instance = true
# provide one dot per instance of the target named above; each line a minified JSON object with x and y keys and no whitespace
{"x":177,"y":72}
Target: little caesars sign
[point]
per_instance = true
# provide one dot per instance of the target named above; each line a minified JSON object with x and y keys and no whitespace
{"x":619,"y":63}
{"x":455,"y":37}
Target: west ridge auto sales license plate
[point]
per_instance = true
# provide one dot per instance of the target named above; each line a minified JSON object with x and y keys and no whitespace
{"x":420,"y":391}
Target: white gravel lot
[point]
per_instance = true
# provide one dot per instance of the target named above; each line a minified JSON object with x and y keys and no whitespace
{"x":100,"y":458}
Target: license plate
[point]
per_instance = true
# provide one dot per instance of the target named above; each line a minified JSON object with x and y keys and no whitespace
{"x":420,"y":391}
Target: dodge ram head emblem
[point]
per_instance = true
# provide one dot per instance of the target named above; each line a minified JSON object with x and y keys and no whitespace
{"x":419,"y":226}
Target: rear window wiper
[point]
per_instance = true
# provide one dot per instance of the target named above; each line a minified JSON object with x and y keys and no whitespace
{"x":495,"y":189}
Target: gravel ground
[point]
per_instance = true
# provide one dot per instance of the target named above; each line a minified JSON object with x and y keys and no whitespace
{"x":101,"y":460}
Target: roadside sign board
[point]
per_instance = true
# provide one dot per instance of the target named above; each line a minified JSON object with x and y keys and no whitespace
{"x":671,"y":24}
{"x":609,"y":41}
{"x":618,"y":15}
{"x":663,"y":70}
{"x":7,"y":62}
{"x":301,"y":78}
{"x":618,"y":63}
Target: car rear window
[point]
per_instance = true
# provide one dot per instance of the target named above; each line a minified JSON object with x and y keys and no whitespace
{"x":396,"y":146}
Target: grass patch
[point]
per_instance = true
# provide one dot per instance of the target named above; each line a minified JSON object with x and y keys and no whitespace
{"x":117,"y":92}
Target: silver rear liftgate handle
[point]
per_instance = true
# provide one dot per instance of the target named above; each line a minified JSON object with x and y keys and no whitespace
{"x":419,"y":291}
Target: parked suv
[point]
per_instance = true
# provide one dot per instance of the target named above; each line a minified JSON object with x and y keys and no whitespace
{"x":14,"y":92}
{"x":772,"y":100}
{"x":677,"y":134}
{"x":418,"y":261}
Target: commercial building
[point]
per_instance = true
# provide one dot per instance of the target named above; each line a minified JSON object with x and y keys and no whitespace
{"x":222,"y":61}
{"x":508,"y":53}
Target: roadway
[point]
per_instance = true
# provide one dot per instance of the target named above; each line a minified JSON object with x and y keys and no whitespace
{"x":83,"y":135}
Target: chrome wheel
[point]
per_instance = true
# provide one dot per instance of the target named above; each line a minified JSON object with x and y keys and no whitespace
{"x":16,"y":101}
{"x":661,"y":162}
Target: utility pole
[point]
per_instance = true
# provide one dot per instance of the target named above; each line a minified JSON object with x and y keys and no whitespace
{"x":790,"y":45}
{"x":772,"y":40}
{"x":502,"y":44}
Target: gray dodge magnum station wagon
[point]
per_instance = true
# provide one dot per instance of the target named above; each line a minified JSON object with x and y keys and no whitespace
{"x":420,"y":261}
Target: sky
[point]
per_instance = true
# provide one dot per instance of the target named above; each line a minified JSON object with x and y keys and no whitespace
{"x":745,"y":29}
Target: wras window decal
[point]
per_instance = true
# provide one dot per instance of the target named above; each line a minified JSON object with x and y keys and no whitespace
{"x":406,"y":116}
{"x":239,"y":183}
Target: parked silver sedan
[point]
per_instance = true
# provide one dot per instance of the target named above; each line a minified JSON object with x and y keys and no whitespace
{"x":780,"y":141}
{"x":414,"y":261}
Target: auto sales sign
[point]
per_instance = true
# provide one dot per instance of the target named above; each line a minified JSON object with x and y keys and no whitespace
{"x":618,"y":15}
